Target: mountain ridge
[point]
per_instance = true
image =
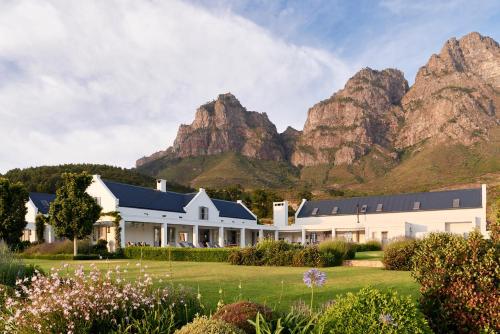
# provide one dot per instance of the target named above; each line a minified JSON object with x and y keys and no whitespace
{"x":372,"y":130}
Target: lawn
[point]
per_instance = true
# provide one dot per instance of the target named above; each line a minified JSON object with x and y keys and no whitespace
{"x":370,"y":255}
{"x":275,"y":286}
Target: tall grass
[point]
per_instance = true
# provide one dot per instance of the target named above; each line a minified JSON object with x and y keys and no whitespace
{"x":12,"y":268}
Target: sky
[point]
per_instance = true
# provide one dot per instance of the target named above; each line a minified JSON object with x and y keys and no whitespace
{"x":103,"y":81}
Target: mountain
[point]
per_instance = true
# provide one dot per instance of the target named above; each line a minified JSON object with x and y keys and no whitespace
{"x":222,"y":126}
{"x":456,"y":95}
{"x":375,"y":135}
{"x":345,"y":127}
{"x":47,"y":178}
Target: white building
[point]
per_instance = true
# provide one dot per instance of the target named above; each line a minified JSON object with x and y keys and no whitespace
{"x":158,"y":217}
{"x":385,"y":217}
{"x":38,"y":203}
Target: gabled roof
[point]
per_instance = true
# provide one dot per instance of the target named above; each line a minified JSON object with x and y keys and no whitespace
{"x":42,"y":201}
{"x":152,"y":199}
{"x":232,"y":209}
{"x":439,"y":200}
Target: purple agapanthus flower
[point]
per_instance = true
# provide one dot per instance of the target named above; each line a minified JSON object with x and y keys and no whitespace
{"x":314,"y":277}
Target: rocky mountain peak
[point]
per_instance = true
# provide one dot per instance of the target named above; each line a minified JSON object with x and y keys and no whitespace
{"x":224,"y":125}
{"x":455,"y":95}
{"x":344,"y":127}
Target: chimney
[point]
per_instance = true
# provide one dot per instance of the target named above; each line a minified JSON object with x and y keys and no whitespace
{"x":280,"y":213}
{"x":161,"y":185}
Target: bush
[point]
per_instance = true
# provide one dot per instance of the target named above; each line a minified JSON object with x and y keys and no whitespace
{"x":239,"y":314}
{"x":59,"y":247}
{"x":281,"y":253}
{"x":459,"y":281}
{"x":339,"y":247}
{"x":372,"y":311}
{"x":308,"y":257}
{"x":178,"y":254}
{"x":12,"y":268}
{"x":399,"y":253}
{"x":371,"y":245}
{"x":101,"y":247}
{"x":203,"y":325}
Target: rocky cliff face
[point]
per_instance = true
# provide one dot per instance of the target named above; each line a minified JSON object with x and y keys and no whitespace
{"x":456,"y":95}
{"x":364,"y":113}
{"x":224,"y":125}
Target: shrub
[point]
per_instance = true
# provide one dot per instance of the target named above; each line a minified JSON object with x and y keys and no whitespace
{"x":459,"y":280}
{"x":12,"y":268}
{"x":292,"y":322}
{"x":59,"y":247}
{"x":339,"y":247}
{"x":239,"y":314}
{"x":371,"y":245}
{"x":372,"y":311}
{"x":178,"y":254}
{"x":399,"y":253}
{"x":101,"y":247}
{"x":203,"y":325}
{"x":308,"y":257}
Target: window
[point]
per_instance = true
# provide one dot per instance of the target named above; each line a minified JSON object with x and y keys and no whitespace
{"x":416,"y":205}
{"x":203,"y":213}
{"x":456,"y":202}
{"x":335,"y":210}
{"x":315,"y":211}
{"x":380,"y":207}
{"x":364,"y":207}
{"x":98,"y":200}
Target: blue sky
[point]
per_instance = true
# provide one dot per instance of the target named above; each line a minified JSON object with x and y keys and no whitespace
{"x":110,"y":81}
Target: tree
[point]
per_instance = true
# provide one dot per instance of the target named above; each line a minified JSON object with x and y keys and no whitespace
{"x":40,"y":222}
{"x":13,"y":199}
{"x":74,"y":212}
{"x":305,"y":194}
{"x":262,"y":202}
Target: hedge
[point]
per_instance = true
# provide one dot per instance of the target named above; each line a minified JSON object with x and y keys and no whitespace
{"x":178,"y":254}
{"x":61,"y":256}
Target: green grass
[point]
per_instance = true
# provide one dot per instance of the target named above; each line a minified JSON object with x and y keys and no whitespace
{"x":266,"y":285}
{"x":370,"y":255}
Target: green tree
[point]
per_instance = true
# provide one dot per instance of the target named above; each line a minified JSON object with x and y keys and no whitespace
{"x":73,"y":212}
{"x":13,"y":199}
{"x":40,"y":222}
{"x":305,"y":194}
{"x":262,"y":202}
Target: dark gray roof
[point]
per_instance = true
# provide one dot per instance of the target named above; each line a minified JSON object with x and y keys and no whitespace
{"x":439,"y":200}
{"x":42,"y":201}
{"x":151,"y":199}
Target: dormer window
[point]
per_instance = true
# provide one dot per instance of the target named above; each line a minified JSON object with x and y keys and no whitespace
{"x":380,"y":206}
{"x":203,"y":213}
{"x":456,"y":202}
{"x":315,"y":211}
{"x":335,"y":210}
{"x":416,"y":205}
{"x":364,"y":207}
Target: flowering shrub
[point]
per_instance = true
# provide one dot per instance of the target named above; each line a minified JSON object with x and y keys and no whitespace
{"x":372,"y":311}
{"x":399,"y":253}
{"x":203,"y":325}
{"x":239,"y":314}
{"x":459,"y":281}
{"x":81,"y":303}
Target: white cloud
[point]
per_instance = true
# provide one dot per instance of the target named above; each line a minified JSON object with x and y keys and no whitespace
{"x":110,"y":81}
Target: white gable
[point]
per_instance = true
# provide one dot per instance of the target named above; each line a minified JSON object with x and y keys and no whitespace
{"x":201,"y":200}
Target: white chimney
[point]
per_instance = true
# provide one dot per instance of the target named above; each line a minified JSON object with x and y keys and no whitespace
{"x":161,"y":185}
{"x":280,"y":213}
